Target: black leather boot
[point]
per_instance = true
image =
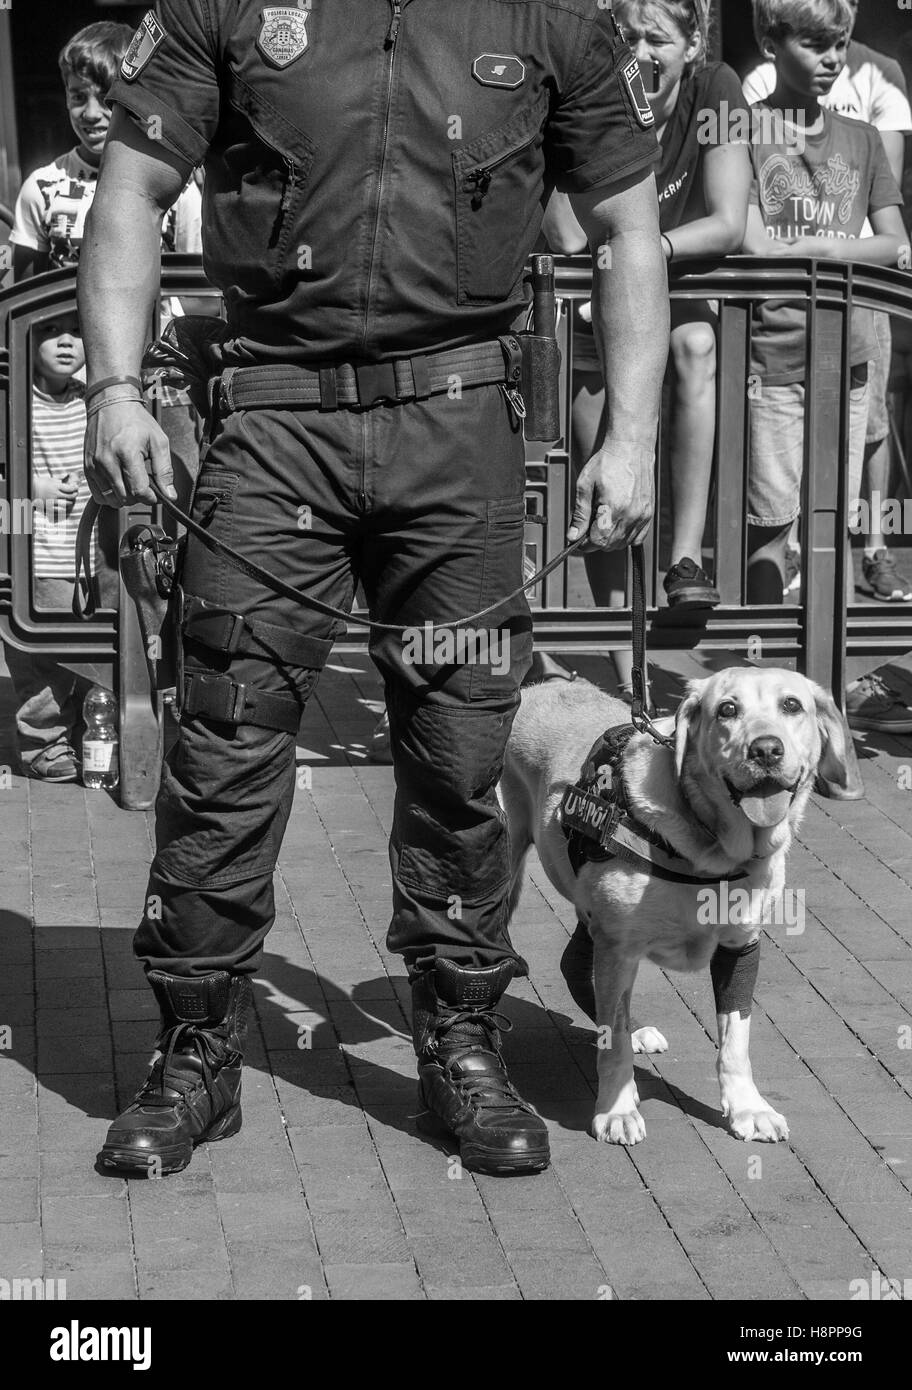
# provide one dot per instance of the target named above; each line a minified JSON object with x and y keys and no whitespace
{"x":463,"y":1087}
{"x":193,"y":1092}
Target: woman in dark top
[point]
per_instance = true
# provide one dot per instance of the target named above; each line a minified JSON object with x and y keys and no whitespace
{"x":703,"y":183}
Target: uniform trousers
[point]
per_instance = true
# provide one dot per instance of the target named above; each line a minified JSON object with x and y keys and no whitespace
{"x":422,"y":503}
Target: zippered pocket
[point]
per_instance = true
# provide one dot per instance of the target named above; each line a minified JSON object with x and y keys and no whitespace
{"x":499,"y":182}
{"x":255,"y":199}
{"x":477,"y":181}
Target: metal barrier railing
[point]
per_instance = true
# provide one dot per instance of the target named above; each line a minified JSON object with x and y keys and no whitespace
{"x":818,"y":632}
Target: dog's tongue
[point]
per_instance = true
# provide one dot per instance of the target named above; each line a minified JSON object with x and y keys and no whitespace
{"x":767,"y":804}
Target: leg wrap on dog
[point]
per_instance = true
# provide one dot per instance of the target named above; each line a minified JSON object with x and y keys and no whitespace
{"x":734,"y":975}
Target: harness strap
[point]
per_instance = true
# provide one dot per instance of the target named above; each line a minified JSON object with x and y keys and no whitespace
{"x":599,"y":823}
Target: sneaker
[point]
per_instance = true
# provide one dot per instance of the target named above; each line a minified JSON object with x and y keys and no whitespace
{"x":688,"y":586}
{"x":58,"y":763}
{"x":792,"y":581}
{"x":379,"y":749}
{"x":884,"y":579}
{"x":872,"y":704}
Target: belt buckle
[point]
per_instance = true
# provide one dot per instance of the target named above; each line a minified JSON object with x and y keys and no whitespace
{"x":376,"y":381}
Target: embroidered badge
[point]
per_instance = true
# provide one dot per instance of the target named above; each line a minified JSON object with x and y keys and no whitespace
{"x":633,"y":80}
{"x":498,"y":70}
{"x":142,"y":45}
{"x":283,"y":35}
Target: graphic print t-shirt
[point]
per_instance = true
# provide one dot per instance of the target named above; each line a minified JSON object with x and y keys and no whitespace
{"x":54,"y":200}
{"x":827,"y":188}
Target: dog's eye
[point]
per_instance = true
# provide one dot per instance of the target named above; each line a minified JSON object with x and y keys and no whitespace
{"x":791,"y":705}
{"x":727,"y":710}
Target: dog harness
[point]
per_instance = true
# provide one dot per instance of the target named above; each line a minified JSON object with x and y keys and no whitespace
{"x":597,"y":819}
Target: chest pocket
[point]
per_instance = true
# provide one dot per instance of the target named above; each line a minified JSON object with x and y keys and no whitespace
{"x":498,"y":187}
{"x":266,"y":164}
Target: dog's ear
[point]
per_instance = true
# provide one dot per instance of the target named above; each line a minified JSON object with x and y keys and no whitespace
{"x":687,"y":715}
{"x":833,"y":767}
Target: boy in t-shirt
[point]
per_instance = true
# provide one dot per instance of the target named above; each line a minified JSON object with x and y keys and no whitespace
{"x":53,"y":201}
{"x":817,"y":177}
{"x":48,"y":696}
{"x":871,"y":87}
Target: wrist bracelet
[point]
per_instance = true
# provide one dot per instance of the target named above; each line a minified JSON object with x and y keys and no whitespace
{"x":671,"y":251}
{"x":113,"y":400}
{"x":107,"y":381}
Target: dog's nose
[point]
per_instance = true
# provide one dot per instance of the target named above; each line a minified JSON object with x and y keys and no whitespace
{"x":767,"y":750}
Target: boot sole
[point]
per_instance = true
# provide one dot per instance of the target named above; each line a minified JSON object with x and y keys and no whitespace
{"x":175,"y":1159}
{"x":493,"y":1162}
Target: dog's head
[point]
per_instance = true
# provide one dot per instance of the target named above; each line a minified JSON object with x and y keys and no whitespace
{"x":758,"y":736}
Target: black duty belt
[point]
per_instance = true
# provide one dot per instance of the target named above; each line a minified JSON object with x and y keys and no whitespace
{"x":359,"y":385}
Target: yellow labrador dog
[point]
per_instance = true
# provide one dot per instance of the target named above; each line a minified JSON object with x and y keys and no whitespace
{"x":727,"y":796}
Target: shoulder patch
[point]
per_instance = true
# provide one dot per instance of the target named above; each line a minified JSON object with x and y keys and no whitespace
{"x":498,"y":70}
{"x":143,"y":44}
{"x":632,"y":79}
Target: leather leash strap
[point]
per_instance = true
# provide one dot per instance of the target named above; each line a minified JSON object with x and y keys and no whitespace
{"x":84,"y":607}
{"x":638,"y":716}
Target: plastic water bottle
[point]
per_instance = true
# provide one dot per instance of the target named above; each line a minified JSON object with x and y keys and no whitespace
{"x":100,"y":763}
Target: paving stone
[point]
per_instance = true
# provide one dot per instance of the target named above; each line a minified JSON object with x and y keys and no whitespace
{"x":373,"y":1282}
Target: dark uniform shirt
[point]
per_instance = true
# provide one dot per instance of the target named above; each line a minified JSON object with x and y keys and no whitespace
{"x":376,"y":172}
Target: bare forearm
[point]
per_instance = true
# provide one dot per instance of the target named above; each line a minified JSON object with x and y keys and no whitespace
{"x":714,"y":235}
{"x":119,"y":277}
{"x":630,"y":312}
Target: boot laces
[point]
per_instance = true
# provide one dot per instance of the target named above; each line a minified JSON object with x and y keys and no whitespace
{"x":494,"y":1090}
{"x":163,"y":1074}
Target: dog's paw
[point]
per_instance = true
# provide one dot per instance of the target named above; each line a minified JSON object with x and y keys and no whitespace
{"x":619,"y":1127}
{"x":648,"y":1040}
{"x":764,"y":1125}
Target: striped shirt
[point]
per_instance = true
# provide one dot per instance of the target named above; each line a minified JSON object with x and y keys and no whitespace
{"x":57,"y":439}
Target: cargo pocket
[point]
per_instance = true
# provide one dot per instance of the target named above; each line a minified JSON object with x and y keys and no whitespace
{"x":506,"y":638}
{"x":205,"y":573}
{"x":498,"y":185}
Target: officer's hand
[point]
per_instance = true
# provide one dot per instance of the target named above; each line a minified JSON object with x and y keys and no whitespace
{"x":123,"y":446}
{"x":615,"y":497}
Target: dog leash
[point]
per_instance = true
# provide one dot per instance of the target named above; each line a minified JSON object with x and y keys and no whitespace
{"x":638,"y":716}
{"x":84,"y":604}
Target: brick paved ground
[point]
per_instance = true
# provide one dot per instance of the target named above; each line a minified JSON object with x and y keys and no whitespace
{"x":329,"y":1189}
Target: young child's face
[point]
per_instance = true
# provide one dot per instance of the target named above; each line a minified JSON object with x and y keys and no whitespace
{"x":58,"y":349}
{"x":809,"y":65}
{"x":654,"y":36}
{"x":89,"y":116}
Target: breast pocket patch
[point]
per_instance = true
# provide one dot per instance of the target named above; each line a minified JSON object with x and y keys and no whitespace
{"x":283,"y":35}
{"x":498,"y":70}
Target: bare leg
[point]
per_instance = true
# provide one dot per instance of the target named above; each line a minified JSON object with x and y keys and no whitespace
{"x":693,"y":430}
{"x":605,"y":570}
{"x":766,"y":563}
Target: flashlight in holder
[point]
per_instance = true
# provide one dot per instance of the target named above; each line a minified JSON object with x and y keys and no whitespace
{"x":541,"y":357}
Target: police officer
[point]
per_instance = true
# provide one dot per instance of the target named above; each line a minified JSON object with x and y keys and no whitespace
{"x":375,"y":179}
